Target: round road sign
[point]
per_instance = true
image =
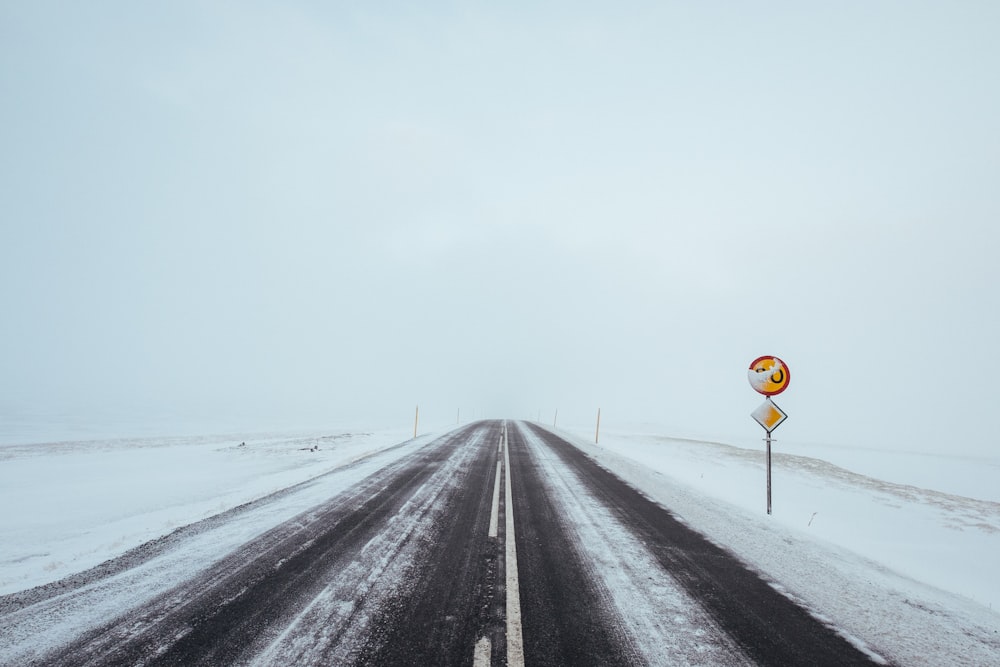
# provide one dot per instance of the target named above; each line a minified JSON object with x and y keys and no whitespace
{"x":768,"y":375}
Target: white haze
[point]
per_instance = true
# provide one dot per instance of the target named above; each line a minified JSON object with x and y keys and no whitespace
{"x":249,"y":215}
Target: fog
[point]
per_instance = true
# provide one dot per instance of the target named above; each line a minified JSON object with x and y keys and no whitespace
{"x":257,"y":215}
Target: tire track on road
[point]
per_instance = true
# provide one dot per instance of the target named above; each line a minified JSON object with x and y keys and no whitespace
{"x":449,"y":599}
{"x":566,"y":618}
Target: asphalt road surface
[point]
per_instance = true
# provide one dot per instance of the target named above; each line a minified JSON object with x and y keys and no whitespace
{"x":497,"y":544}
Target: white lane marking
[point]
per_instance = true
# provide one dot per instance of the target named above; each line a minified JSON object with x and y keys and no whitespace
{"x":515,"y":643}
{"x":495,"y":512}
{"x":482,"y":655}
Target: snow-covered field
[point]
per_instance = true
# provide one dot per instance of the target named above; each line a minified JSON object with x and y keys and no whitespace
{"x":69,"y":506}
{"x":897,"y":550}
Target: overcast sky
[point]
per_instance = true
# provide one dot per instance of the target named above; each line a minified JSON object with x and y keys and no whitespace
{"x":322,"y":212}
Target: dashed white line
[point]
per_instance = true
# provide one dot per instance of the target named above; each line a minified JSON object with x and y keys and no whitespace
{"x":481,"y":658}
{"x":495,"y":512}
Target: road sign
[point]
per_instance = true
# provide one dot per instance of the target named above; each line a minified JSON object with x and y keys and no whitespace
{"x":769,"y":415}
{"x":768,"y":375}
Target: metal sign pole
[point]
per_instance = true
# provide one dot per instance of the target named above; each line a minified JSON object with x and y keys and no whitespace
{"x":768,"y":472}
{"x":768,"y":376}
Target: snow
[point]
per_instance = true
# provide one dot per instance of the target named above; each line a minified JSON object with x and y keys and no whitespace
{"x":896,"y":550}
{"x":69,"y":506}
{"x":944,"y":539}
{"x":902,"y":568}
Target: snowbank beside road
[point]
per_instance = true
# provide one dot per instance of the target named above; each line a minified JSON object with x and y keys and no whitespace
{"x":908,"y":570}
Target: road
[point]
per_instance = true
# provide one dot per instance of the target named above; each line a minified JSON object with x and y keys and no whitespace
{"x":496,"y":544}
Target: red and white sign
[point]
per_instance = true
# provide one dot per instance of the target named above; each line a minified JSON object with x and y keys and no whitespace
{"x":768,"y":375}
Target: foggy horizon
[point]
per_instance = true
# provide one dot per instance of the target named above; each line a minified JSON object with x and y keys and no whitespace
{"x":220,"y":214}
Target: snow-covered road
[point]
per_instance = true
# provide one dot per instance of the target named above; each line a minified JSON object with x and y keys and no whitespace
{"x":358,"y":548}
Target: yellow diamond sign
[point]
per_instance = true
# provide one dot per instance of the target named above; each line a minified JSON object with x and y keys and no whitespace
{"x":769,"y":415}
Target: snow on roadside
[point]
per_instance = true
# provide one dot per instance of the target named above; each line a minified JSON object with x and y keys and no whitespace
{"x":664,"y":624}
{"x":69,"y":506}
{"x":907,"y":570}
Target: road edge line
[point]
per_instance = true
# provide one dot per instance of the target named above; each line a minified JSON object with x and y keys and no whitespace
{"x":515,"y":641}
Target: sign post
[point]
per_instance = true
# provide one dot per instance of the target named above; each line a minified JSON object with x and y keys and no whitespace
{"x":768,"y":376}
